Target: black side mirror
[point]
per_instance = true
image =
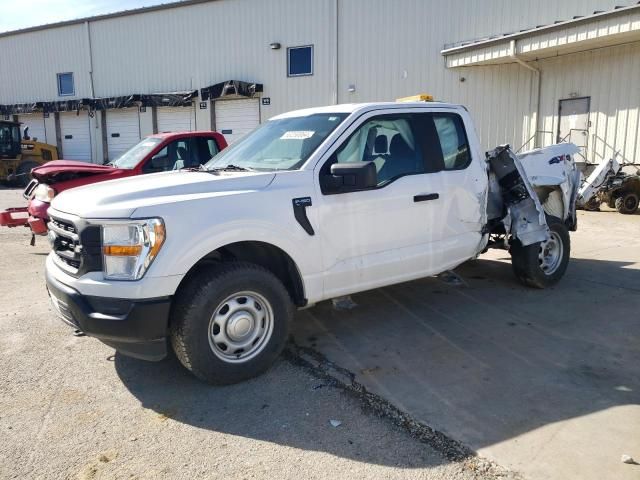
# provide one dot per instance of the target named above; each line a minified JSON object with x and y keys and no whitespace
{"x":350,"y":177}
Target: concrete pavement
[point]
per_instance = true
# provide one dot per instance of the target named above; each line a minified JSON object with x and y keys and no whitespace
{"x":543,"y":382}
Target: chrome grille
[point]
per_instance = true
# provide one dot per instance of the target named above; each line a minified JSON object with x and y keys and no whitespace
{"x":65,"y":242}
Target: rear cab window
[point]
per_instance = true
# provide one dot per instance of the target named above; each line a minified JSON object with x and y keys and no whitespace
{"x":453,"y":141}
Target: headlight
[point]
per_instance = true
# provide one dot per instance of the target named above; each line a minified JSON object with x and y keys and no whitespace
{"x":44,"y":193}
{"x":129,"y":248}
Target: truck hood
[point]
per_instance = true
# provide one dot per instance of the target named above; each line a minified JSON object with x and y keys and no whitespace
{"x":120,"y":198}
{"x":64,"y":168}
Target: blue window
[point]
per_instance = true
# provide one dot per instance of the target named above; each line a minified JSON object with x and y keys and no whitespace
{"x":65,"y":84}
{"x":300,"y":61}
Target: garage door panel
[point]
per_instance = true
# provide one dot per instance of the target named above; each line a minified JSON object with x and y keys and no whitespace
{"x":236,"y":118}
{"x":76,"y":138}
{"x":35,"y":122}
{"x":176,"y":119}
{"x":123,"y":131}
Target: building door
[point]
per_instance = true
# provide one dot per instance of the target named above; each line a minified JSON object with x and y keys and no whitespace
{"x":574,"y":122}
{"x":236,"y":118}
{"x":76,"y":137}
{"x":35,"y":122}
{"x":123,"y":130}
{"x":176,"y":119}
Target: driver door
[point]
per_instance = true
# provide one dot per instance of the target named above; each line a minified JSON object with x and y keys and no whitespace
{"x":384,"y":234}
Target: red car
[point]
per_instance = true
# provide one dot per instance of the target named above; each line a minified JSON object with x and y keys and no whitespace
{"x":156,"y":153}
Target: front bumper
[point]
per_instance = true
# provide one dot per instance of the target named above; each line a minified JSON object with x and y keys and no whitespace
{"x":134,"y":328}
{"x":14,"y":217}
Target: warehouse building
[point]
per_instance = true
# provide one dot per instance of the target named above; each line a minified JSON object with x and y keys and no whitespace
{"x":531,"y":73}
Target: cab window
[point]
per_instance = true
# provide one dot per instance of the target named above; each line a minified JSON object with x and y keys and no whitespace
{"x":206,"y":149}
{"x":390,"y":141}
{"x":453,"y":141}
{"x":174,"y":156}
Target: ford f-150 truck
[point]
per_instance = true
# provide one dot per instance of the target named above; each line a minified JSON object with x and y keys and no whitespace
{"x":155,"y":153}
{"x":313,"y":205}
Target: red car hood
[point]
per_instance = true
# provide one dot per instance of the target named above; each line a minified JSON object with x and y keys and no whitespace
{"x":56,"y":167}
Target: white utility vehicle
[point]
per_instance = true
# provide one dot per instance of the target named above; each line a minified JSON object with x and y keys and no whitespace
{"x":313,"y":205}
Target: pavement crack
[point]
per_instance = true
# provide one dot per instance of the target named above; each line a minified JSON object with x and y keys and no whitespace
{"x":323,"y":368}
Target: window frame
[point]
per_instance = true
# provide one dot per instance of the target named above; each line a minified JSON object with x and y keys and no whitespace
{"x":73,"y":84}
{"x":289,"y":49}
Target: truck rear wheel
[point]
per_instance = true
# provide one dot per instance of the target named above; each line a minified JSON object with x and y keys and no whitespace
{"x":543,"y":264}
{"x":627,"y":203}
{"x":231,"y":322}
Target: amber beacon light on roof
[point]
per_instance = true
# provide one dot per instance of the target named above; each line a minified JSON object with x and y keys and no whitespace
{"x":423,"y":97}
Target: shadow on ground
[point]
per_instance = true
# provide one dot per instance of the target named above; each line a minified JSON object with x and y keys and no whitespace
{"x":482,"y":363}
{"x":492,"y":360}
{"x":285,"y":406}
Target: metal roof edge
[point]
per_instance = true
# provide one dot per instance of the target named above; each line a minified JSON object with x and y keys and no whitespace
{"x":525,"y":33}
{"x":106,"y":16}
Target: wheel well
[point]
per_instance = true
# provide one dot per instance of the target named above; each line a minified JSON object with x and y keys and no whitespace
{"x":274,"y":259}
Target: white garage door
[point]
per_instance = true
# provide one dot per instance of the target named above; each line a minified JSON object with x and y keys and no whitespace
{"x":236,"y":118}
{"x":35,"y":122}
{"x":123,"y":130}
{"x":176,"y":119}
{"x":76,"y":140}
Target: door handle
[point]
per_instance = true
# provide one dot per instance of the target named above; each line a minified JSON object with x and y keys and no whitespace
{"x":426,"y":197}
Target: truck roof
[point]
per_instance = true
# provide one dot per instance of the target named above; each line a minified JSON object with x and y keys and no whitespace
{"x":197,"y":133}
{"x":364,"y":107}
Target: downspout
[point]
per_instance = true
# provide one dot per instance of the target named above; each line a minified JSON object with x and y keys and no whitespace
{"x":94,"y":153}
{"x":334,"y":93}
{"x":538,"y":75}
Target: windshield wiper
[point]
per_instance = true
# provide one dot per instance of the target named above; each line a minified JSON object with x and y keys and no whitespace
{"x":231,"y":168}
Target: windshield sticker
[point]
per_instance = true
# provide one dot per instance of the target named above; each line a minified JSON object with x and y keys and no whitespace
{"x":297,"y":135}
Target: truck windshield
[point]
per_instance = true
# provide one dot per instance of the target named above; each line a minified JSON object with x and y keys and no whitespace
{"x":135,"y":154}
{"x":282,"y":144}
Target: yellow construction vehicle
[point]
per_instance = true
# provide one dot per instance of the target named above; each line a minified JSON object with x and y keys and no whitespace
{"x":19,"y":154}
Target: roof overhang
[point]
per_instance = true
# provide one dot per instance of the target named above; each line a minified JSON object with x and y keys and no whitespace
{"x":600,"y":30}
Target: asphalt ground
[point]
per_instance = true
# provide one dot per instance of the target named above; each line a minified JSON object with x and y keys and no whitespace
{"x":70,"y":407}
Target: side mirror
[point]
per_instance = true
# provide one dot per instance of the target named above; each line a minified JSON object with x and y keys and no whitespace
{"x":350,"y":177}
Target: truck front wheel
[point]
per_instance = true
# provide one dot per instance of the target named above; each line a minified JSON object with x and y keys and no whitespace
{"x":229,"y":323}
{"x":543,"y":264}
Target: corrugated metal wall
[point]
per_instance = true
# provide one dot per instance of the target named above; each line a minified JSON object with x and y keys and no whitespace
{"x":398,"y":45}
{"x":30,"y":61}
{"x":610,"y":77}
{"x":386,"y":49}
{"x":200,"y":45}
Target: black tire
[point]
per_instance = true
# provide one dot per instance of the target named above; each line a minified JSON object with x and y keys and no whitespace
{"x":527,"y":265}
{"x":627,"y":203}
{"x":23,"y":173}
{"x":207,"y":293}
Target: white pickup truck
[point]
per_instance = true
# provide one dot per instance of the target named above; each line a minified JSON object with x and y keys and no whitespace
{"x":313,"y":205}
